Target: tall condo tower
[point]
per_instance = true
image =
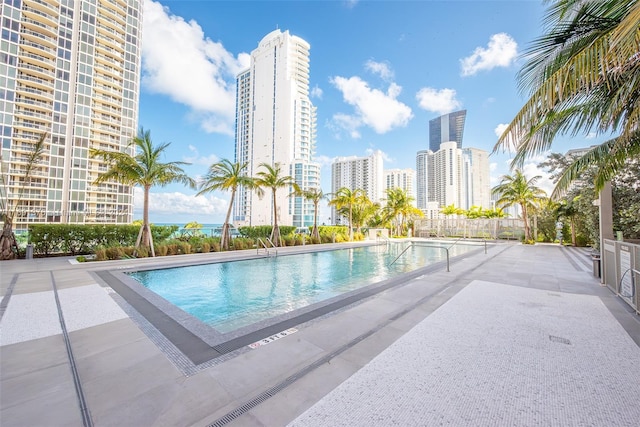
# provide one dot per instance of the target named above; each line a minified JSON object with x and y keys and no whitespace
{"x":276,"y":123}
{"x":69,"y":72}
{"x":400,"y":178}
{"x":451,"y":176}
{"x":449,"y":127}
{"x":363,"y":173}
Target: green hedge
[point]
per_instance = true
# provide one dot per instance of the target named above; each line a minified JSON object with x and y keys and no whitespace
{"x":74,"y":239}
{"x":264,"y":231}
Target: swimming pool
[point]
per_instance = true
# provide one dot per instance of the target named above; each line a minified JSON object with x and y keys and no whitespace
{"x":232,"y":295}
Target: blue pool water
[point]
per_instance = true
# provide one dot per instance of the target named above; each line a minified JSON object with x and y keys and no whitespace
{"x":231,"y":295}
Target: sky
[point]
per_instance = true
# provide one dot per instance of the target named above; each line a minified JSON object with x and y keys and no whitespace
{"x":379,"y":71}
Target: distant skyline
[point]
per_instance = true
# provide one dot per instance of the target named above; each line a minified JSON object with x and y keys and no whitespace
{"x":379,"y":72}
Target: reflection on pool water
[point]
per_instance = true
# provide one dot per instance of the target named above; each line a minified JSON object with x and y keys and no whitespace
{"x":230,"y":295}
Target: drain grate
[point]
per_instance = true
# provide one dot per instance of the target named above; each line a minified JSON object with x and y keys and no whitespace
{"x":560,"y":340}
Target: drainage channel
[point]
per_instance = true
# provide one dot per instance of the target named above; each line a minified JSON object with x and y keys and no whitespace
{"x":84,"y":410}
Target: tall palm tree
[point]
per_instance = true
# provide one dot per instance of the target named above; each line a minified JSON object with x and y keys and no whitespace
{"x":145,"y":169}
{"x":516,"y":189}
{"x":583,"y":76}
{"x":314,"y":195}
{"x":346,"y":199}
{"x":361,"y":211}
{"x":227,"y":176}
{"x":399,"y":207}
{"x":8,"y":210}
{"x":271,"y":178}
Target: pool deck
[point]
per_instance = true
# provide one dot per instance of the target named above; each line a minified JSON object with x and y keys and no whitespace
{"x":521,"y":335}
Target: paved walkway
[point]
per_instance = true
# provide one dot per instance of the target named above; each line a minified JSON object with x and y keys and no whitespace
{"x":522,"y":335}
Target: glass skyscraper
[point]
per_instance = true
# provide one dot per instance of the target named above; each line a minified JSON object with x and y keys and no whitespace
{"x":449,"y":127}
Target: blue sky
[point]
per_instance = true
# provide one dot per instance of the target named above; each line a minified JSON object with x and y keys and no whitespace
{"x":379,"y":71}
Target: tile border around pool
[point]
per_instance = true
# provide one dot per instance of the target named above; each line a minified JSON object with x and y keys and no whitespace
{"x":201,"y":343}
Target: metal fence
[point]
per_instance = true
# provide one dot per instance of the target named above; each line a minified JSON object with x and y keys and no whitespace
{"x":511,"y":229}
{"x":621,"y":270}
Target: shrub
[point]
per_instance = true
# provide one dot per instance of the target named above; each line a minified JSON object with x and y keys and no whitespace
{"x":206,"y":247}
{"x":161,"y":250}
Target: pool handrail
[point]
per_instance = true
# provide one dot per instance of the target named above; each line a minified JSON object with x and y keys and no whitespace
{"x":261,"y":242}
{"x":484,"y":239}
{"x":431,"y":246}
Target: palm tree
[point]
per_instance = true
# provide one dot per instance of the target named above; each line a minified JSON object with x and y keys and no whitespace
{"x":314,"y":195}
{"x":8,"y":243}
{"x":516,"y":189}
{"x":346,"y":199}
{"x":447,"y":211}
{"x":144,"y":169}
{"x":271,"y":178}
{"x":225,"y":175}
{"x":361,"y":211}
{"x":569,"y":210}
{"x":399,"y":207}
{"x":582,"y":77}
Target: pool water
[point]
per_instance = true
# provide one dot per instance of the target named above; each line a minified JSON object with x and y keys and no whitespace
{"x":230,"y":295}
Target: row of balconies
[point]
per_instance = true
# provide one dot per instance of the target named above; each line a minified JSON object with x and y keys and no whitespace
{"x":111,"y":31}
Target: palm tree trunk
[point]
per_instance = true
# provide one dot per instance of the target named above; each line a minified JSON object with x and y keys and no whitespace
{"x":145,"y":217}
{"x":314,"y":233}
{"x":224,"y":238}
{"x":350,"y":225}
{"x":275,"y":233}
{"x":527,"y":231}
{"x":8,"y":243}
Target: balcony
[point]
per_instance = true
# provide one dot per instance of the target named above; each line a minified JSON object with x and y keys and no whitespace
{"x":34,"y":35}
{"x":38,"y":70}
{"x":35,"y":24}
{"x":37,"y":60}
{"x":37,"y":93}
{"x":33,"y":102}
{"x":37,"y":15}
{"x":35,"y":81}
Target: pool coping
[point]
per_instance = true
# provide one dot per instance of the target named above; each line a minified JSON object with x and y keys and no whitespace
{"x":201,"y":343}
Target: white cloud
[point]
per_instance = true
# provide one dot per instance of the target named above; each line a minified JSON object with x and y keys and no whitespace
{"x":499,"y":130}
{"x":180,"y":203}
{"x":341,"y":121}
{"x":316,"y":92}
{"x":374,"y":108}
{"x":501,"y":51}
{"x":196,"y":159}
{"x":441,"y":101}
{"x":323,"y":160}
{"x":493,"y":166}
{"x":179,"y":61}
{"x":382,"y":69}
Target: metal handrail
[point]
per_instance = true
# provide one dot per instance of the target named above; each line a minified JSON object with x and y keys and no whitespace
{"x":484,"y":240}
{"x":264,"y":245}
{"x":633,"y":282}
{"x":431,"y":246}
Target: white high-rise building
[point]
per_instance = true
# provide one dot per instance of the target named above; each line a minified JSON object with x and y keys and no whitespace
{"x":70,"y":71}
{"x":276,"y":123}
{"x":400,"y":178}
{"x":364,"y":173}
{"x":476,"y":176}
{"x":452,"y":176}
